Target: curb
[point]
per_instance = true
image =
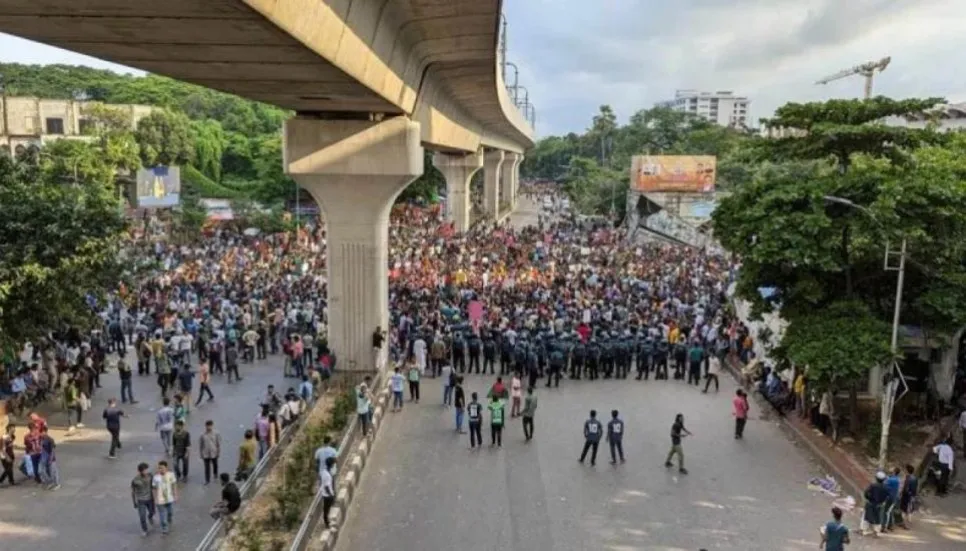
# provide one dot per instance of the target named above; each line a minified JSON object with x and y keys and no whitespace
{"x":846,"y":480}
{"x":350,"y":478}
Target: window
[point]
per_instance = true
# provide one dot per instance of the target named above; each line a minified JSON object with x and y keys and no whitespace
{"x":85,"y":127}
{"x":55,"y":125}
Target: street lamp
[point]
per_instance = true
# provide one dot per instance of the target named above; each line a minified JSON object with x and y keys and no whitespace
{"x":889,"y":394}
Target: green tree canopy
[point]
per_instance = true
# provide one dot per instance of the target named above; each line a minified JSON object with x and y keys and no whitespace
{"x":165,"y":139}
{"x":823,"y":258}
{"x":60,"y":242}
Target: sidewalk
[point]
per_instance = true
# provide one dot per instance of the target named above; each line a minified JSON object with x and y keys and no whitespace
{"x":849,"y":473}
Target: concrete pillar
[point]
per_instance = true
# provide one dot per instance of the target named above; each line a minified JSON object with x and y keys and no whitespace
{"x":508,"y":180}
{"x":492,"y":165}
{"x":355,"y":170}
{"x":458,"y":170}
{"x":516,"y":179}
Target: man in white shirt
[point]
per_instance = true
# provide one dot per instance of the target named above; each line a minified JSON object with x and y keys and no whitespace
{"x":945,"y":454}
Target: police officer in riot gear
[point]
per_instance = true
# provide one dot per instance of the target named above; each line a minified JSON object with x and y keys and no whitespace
{"x":475,"y":345}
{"x":489,"y":352}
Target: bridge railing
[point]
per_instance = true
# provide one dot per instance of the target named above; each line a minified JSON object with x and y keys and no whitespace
{"x":219,"y":530}
{"x":313,"y":517}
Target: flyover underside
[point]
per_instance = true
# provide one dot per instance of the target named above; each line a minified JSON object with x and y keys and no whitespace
{"x":434,"y":60}
{"x":220,"y":44}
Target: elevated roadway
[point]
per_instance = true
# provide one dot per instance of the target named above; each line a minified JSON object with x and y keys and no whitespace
{"x":371,"y":83}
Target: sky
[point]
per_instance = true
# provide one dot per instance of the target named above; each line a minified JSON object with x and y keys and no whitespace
{"x":575,"y":55}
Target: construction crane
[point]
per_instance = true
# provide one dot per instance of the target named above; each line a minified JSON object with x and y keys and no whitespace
{"x":866,"y":70}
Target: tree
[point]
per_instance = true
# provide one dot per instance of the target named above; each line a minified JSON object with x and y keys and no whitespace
{"x":115,"y":138}
{"x":426,"y":188}
{"x":60,"y":246}
{"x":209,"y":144}
{"x":824,"y":259}
{"x":189,"y":219}
{"x":165,"y":139}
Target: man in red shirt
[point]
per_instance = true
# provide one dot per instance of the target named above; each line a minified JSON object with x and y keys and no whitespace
{"x":499,"y":389}
{"x":33,"y":448}
{"x":740,"y":409}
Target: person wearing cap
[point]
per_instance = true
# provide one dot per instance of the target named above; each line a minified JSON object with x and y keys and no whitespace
{"x":876,"y":496}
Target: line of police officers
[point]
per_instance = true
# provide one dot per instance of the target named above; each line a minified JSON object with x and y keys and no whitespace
{"x":607,"y":353}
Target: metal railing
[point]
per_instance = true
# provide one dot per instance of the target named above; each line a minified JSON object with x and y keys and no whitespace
{"x":313,"y":516}
{"x":218,"y":531}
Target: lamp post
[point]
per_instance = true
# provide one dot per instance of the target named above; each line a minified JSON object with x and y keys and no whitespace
{"x":892,"y":382}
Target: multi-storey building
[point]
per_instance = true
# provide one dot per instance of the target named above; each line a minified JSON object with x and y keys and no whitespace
{"x":26,"y":121}
{"x":722,"y":107}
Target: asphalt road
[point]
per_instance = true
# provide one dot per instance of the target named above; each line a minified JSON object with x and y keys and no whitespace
{"x":425,"y":489}
{"x":93,"y":510}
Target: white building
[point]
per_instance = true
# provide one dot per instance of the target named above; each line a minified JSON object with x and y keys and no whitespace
{"x":722,"y":107}
{"x":951,"y":116}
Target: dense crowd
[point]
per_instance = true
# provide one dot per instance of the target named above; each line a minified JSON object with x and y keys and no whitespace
{"x":564,"y":298}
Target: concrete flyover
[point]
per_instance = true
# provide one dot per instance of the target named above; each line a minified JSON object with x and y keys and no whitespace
{"x":371,"y":82}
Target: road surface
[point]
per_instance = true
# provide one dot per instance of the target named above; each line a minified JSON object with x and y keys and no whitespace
{"x":93,"y":508}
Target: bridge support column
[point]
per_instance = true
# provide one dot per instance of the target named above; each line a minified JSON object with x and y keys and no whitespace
{"x":355,"y":170}
{"x":516,"y":179}
{"x":492,"y":165}
{"x":508,"y":180}
{"x":458,"y":171}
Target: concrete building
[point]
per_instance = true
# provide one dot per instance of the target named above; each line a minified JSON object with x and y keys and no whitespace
{"x":951,"y":116}
{"x":722,"y":107}
{"x":26,"y":121}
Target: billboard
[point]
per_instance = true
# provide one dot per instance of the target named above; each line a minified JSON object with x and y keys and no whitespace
{"x":218,"y":209}
{"x":673,"y":173}
{"x":159,"y":186}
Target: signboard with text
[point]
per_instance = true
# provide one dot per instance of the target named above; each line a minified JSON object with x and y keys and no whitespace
{"x":673,"y":173}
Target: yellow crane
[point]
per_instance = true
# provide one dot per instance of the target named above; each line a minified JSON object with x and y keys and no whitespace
{"x":866,"y":70}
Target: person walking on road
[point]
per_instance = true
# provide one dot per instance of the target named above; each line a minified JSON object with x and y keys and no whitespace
{"x":944,"y":454}
{"x":209,"y":446}
{"x":448,"y":379}
{"x":204,"y":383}
{"x":165,"y":495}
{"x":529,"y":410}
{"x":678,"y":431}
{"x":112,"y":418}
{"x":592,"y":432}
{"x":516,"y":395}
{"x":459,"y":403}
{"x":142,"y":498}
{"x":125,"y":373}
{"x":497,"y":414}
{"x":835,"y":535}
{"x":474,"y":411}
{"x":180,"y":444}
{"x":231,"y":362}
{"x":185,"y":382}
{"x":327,"y":489}
{"x":615,"y":437}
{"x":714,"y":368}
{"x":740,"y":409}
{"x":397,"y":385}
{"x":164,"y":424}
{"x":414,"y":373}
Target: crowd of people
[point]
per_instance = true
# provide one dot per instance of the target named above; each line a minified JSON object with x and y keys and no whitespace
{"x":562,"y":299}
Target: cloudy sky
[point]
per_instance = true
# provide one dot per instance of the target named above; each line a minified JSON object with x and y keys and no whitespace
{"x":575,"y":55}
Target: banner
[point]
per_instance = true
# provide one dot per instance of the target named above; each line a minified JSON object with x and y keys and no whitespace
{"x":159,"y":186}
{"x":673,"y":173}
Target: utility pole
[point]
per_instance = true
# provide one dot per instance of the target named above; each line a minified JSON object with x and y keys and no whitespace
{"x":892,"y":384}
